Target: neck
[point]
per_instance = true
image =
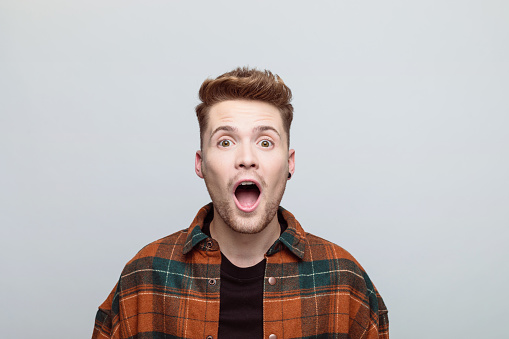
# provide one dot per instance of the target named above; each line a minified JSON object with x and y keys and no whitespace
{"x":244,"y":250}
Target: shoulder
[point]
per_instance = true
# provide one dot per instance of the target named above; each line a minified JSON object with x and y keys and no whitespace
{"x":322,"y":249}
{"x":344,"y":270}
{"x":164,"y":249}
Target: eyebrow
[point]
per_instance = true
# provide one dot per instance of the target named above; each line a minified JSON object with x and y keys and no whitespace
{"x":266,"y":128}
{"x":223,"y":128}
{"x":258,"y":129}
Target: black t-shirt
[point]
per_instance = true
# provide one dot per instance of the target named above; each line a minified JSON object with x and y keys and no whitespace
{"x":241,"y":300}
{"x":241,"y":295}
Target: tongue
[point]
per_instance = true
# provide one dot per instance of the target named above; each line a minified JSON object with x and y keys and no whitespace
{"x":247,"y":197}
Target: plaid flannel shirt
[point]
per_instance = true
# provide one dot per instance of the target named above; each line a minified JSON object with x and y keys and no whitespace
{"x":313,"y":288}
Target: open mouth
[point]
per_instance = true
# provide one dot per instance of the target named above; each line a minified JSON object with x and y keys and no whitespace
{"x":247,"y":194}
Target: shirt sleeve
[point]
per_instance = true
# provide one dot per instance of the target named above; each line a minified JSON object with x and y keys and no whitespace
{"x":383,"y":318}
{"x":104,"y":318}
{"x":379,"y":327}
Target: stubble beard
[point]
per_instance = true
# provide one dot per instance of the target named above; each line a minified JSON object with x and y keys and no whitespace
{"x":241,"y":222}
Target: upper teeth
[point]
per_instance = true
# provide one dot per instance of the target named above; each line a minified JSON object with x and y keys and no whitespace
{"x":247,"y":183}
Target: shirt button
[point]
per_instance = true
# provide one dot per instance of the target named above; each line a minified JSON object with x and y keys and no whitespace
{"x":272,"y":281}
{"x":209,"y":244}
{"x":212,"y":282}
{"x":272,"y":336}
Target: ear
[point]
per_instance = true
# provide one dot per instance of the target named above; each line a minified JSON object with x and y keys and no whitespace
{"x":291,"y":161}
{"x":198,"y":164}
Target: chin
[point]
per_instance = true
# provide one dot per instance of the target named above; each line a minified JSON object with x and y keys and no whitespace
{"x":248,"y":226}
{"x":247,"y":223}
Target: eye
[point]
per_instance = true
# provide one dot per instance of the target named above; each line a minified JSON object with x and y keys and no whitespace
{"x":266,"y":143}
{"x":225,"y":143}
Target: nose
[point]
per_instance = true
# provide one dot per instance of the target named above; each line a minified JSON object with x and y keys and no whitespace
{"x":246,"y":157}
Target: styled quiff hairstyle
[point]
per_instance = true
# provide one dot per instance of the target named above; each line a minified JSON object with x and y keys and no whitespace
{"x":245,"y":84}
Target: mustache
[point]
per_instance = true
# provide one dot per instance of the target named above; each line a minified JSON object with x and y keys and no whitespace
{"x":260,"y":180}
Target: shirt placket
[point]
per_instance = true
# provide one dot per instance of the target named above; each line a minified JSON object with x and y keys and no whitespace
{"x":272,"y":301}
{"x":203,"y":320}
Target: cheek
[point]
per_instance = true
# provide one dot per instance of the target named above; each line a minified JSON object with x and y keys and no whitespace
{"x":278,"y":169}
{"x":215,"y":171}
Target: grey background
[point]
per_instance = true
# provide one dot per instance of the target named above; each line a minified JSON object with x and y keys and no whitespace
{"x":400,"y":131}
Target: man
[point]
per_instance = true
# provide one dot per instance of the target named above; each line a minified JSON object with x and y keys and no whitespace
{"x":245,"y":267}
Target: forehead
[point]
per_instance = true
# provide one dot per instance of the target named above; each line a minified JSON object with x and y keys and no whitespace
{"x":244,"y":113}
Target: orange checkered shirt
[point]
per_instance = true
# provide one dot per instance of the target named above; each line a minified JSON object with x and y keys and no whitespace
{"x":170,"y":289}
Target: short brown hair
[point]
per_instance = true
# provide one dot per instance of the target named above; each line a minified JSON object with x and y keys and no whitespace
{"x":245,"y":84}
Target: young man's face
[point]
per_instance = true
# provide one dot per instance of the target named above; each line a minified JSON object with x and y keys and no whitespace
{"x":245,"y":162}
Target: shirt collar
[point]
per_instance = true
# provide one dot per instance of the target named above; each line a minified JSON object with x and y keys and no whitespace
{"x":194,"y":233}
{"x":293,"y":237}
